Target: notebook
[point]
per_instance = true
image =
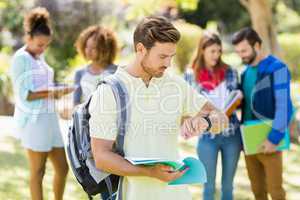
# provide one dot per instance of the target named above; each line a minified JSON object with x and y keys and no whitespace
{"x":232,"y":102}
{"x":255,"y":132}
{"x":195,"y":175}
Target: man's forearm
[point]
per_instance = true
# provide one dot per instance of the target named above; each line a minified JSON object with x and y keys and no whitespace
{"x":115,"y":164}
{"x":206,"y":109}
{"x":283,"y":107}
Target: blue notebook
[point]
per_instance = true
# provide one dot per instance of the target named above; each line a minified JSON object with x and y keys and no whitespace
{"x":195,"y":175}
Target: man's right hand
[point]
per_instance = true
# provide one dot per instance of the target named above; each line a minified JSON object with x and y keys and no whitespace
{"x":165,"y":173}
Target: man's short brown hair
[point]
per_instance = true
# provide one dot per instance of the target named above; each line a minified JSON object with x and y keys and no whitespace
{"x":155,"y":29}
{"x":248,"y":34}
{"x":105,"y":40}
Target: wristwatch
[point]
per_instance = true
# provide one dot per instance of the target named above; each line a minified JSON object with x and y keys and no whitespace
{"x":209,"y":123}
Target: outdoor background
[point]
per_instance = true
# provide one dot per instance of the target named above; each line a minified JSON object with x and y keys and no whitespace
{"x":277,"y":21}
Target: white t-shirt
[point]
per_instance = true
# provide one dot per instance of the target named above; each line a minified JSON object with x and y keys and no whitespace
{"x":154,"y":125}
{"x":88,"y":82}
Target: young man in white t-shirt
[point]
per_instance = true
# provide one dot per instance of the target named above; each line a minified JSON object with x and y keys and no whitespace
{"x":162,"y":106}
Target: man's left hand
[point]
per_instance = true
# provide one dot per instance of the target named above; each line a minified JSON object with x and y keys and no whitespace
{"x":268,"y":147}
{"x":193,"y":126}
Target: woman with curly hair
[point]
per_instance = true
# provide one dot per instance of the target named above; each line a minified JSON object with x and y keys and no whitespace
{"x":98,"y":45}
{"x":35,"y":115}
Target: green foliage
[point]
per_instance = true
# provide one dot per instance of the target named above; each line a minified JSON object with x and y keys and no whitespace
{"x":68,"y":19}
{"x":76,"y":62}
{"x":11,"y":15}
{"x":138,"y":9}
{"x":290,"y":44}
{"x":190,"y":35}
{"x":229,"y":14}
{"x":293,"y":4}
{"x":57,"y":57}
{"x":67,"y":25}
{"x":5,"y":85}
{"x":187,"y":5}
{"x":122,"y":16}
{"x":288,"y":19}
{"x":11,"y":18}
{"x":232,"y":59}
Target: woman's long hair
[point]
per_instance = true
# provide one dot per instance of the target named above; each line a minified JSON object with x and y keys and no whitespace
{"x":207,"y":39}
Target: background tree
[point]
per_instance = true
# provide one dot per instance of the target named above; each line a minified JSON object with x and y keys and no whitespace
{"x":229,"y":14}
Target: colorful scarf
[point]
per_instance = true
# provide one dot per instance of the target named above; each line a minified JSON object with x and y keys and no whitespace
{"x":209,"y":80}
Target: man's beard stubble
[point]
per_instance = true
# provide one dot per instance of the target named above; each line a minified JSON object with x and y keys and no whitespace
{"x":148,"y":69}
{"x":251,"y":59}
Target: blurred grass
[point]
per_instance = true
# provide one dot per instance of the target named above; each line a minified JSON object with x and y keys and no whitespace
{"x":14,"y":175}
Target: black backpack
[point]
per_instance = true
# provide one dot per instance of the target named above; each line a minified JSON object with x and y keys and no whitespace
{"x":93,"y":180}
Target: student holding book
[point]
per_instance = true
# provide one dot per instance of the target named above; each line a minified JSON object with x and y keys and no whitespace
{"x":35,"y":114}
{"x":158,"y":101}
{"x":266,"y":86}
{"x":217,"y":81}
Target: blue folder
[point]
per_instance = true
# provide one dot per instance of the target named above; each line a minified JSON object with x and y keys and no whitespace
{"x":195,"y":175}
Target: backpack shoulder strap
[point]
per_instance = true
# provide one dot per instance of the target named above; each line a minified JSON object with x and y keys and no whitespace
{"x":123,"y":111}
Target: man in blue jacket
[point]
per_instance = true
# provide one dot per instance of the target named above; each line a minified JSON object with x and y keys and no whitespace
{"x":266,"y":87}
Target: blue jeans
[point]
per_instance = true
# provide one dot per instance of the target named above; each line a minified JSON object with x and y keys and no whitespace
{"x":208,"y":149}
